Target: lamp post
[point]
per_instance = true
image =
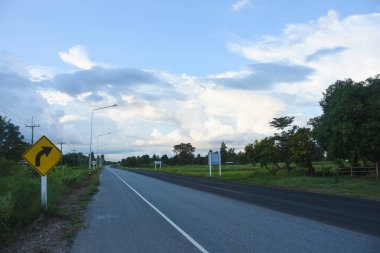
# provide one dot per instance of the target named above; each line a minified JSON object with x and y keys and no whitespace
{"x":92,"y":116}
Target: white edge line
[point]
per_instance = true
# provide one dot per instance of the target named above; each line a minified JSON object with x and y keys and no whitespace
{"x":188,"y":237}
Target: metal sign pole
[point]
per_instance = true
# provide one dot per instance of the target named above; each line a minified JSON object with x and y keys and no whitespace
{"x":209,"y":161}
{"x":220,"y":164}
{"x":44,"y":192}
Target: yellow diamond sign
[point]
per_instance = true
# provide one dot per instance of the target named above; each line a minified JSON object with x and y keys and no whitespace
{"x":43,"y":155}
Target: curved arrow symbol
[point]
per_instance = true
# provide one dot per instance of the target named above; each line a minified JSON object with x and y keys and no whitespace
{"x":45,"y":151}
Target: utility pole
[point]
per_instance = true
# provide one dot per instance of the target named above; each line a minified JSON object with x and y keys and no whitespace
{"x":61,"y":149}
{"x":32,"y":126}
{"x":74,"y":150}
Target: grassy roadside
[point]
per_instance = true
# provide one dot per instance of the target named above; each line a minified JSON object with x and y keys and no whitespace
{"x":359,"y":186}
{"x":20,"y":202}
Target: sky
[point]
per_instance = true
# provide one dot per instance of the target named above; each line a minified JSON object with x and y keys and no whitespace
{"x":199,"y":72}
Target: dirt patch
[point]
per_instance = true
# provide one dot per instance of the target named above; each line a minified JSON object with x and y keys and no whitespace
{"x":54,"y":234}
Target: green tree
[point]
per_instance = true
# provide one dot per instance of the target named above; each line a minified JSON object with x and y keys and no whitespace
{"x":249,"y":153}
{"x":145,"y":160}
{"x":370,"y":130}
{"x":184,"y":151}
{"x":302,"y":147}
{"x":241,"y":157}
{"x":200,"y":159}
{"x":282,"y":122}
{"x":223,"y":152}
{"x":266,"y":153}
{"x":131,"y":161}
{"x":350,"y":123}
{"x":282,"y":139}
{"x":231,"y":155}
{"x":165,"y":159}
{"x":12,"y":143}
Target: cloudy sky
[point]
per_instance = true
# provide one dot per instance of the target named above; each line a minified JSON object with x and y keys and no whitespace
{"x":180,"y":71}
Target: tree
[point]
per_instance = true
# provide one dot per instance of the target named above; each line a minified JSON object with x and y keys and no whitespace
{"x":350,"y":124}
{"x":370,"y":130}
{"x":282,"y":122}
{"x":131,"y":161}
{"x":231,"y":155}
{"x":184,"y":151}
{"x":165,"y":159}
{"x":12,"y":143}
{"x":282,"y":139}
{"x":241,"y":157}
{"x":223,"y":152}
{"x":145,"y":160}
{"x":266,"y":153}
{"x":249,"y":153}
{"x":201,"y":159}
{"x":302,"y":147}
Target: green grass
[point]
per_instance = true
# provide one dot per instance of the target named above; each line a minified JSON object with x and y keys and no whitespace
{"x":20,"y":195}
{"x":358,"y":186}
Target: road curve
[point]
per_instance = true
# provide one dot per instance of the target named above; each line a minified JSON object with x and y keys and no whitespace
{"x":128,"y":215}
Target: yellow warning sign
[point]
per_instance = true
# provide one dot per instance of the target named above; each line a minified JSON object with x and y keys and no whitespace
{"x":43,"y":156}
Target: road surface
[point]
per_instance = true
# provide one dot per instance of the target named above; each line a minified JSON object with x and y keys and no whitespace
{"x":136,"y":213}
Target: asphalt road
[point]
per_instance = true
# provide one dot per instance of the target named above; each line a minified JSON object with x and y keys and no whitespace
{"x":136,"y":213}
{"x":350,"y":213}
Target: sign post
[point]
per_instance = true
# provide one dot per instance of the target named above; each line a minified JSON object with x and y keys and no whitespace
{"x":157,"y":163}
{"x":43,"y":156}
{"x":215,"y":158}
{"x":44,"y":192}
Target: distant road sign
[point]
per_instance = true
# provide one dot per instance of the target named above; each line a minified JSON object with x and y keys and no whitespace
{"x":43,"y":156}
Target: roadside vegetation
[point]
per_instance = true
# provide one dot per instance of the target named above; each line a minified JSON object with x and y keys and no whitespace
{"x":20,"y":190}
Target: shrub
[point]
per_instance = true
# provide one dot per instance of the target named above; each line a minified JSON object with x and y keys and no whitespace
{"x":6,"y":206}
{"x":6,"y":167}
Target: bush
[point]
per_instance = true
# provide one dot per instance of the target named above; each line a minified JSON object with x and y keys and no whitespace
{"x":26,"y":203}
{"x":70,"y":178}
{"x":6,"y":167}
{"x":6,"y":206}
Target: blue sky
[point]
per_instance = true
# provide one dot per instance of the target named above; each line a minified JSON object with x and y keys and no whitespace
{"x":181,"y":71}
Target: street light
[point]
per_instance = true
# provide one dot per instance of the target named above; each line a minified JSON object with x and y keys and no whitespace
{"x":92,"y":116}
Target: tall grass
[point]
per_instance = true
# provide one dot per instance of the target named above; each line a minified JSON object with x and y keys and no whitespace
{"x":20,"y":194}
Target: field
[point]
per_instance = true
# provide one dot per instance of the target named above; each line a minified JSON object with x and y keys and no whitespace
{"x":367,"y":187}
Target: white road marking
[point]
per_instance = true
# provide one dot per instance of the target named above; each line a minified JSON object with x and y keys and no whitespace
{"x":188,"y":237}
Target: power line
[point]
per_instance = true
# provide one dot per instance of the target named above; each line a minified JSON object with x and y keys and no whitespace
{"x":15,"y":117}
{"x":33,"y":126}
{"x":7,"y":111}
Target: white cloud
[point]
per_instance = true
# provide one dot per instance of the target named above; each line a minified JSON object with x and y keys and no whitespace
{"x":77,"y":56}
{"x":237,"y":6}
{"x":55,"y":97}
{"x":335,"y":48}
{"x":69,"y":118}
{"x":39,"y":73}
{"x":231,"y":74}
